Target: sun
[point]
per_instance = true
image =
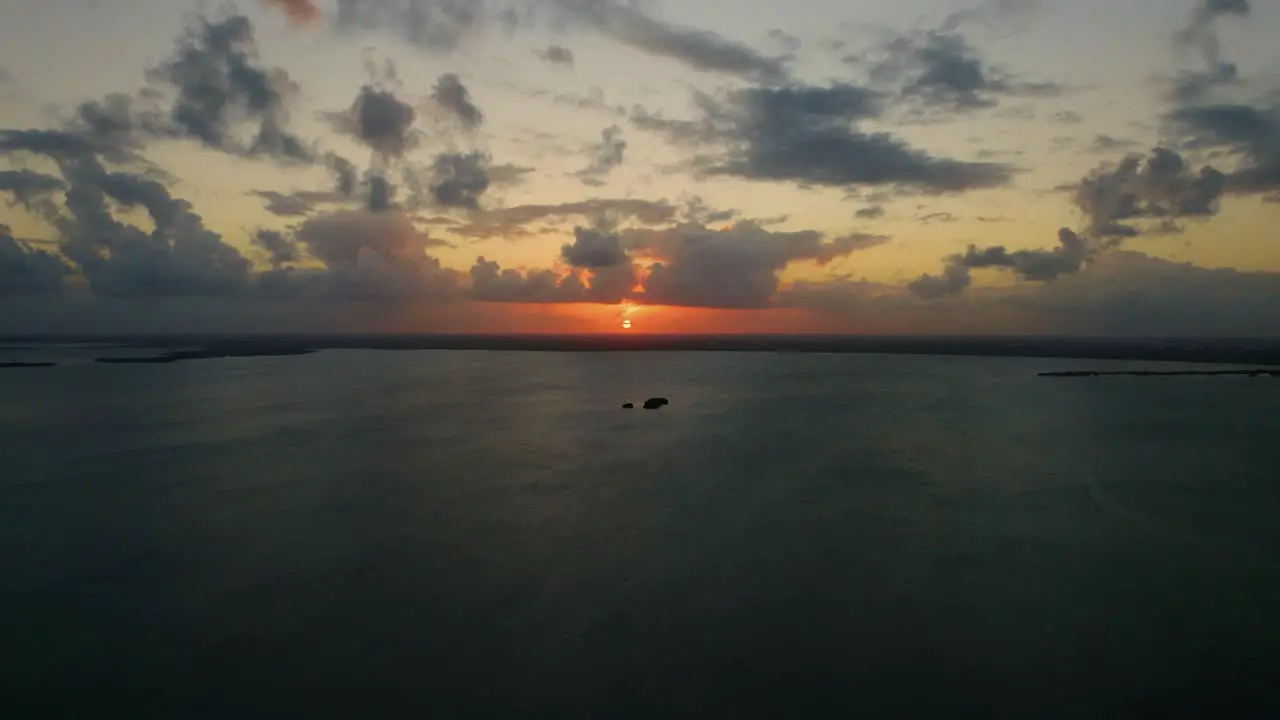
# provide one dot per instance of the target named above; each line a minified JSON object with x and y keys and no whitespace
{"x":625,"y":311}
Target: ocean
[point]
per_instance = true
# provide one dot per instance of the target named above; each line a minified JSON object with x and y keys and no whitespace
{"x":471,"y":534}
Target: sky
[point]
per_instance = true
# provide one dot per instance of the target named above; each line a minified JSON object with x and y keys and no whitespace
{"x":1081,"y":167}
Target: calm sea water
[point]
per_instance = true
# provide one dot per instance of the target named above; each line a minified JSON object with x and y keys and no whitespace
{"x":480,"y":535}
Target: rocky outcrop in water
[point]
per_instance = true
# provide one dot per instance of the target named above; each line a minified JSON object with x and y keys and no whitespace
{"x":655,"y":403}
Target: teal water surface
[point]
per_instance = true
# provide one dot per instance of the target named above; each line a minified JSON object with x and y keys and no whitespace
{"x":487,"y":534}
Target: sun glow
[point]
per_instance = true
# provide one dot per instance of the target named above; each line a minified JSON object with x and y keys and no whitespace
{"x":625,"y":311}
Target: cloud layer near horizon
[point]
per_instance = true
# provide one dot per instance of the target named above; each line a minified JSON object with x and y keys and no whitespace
{"x":414,"y":181}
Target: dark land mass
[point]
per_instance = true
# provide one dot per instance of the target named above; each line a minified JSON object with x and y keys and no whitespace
{"x":27,"y":364}
{"x":1161,"y":373}
{"x":223,"y":351}
{"x":1242,"y":351}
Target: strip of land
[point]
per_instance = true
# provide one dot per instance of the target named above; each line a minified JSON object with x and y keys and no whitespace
{"x":1161,"y":373}
{"x":174,"y":348}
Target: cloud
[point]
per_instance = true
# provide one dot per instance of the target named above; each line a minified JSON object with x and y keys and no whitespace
{"x":507,"y":174}
{"x":284,"y":205}
{"x":460,"y":179}
{"x":381,"y":120}
{"x":433,"y":25}
{"x":608,"y":155}
{"x":1160,"y":186}
{"x":25,"y":270}
{"x":609,"y":285}
{"x":445,"y":25}
{"x":954,"y":279}
{"x":557,"y":55}
{"x":736,"y":267}
{"x":1201,"y":36}
{"x":32,"y":190}
{"x":942,"y":71}
{"x":220,"y":85}
{"x":344,"y":174}
{"x":298,"y":10}
{"x":371,"y":256}
{"x":701,"y":50}
{"x":1110,"y":144}
{"x":1067,"y":117}
{"x":600,"y":212}
{"x":1033,"y":265}
{"x":452,"y":95}
{"x":870,"y":212}
{"x":994,"y":13}
{"x":281,"y":249}
{"x":594,"y":249}
{"x":807,"y":134}
{"x":1029,"y":265}
{"x":1118,"y":294}
{"x":1251,"y":133}
{"x":381,"y":193}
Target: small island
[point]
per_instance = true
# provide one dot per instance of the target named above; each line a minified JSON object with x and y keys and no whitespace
{"x":27,"y":364}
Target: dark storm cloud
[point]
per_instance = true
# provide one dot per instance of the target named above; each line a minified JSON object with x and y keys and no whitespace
{"x":284,"y":205}
{"x":280,"y":248}
{"x":1161,"y":186}
{"x":807,"y":134}
{"x":25,"y":270}
{"x":736,"y":267}
{"x":557,"y":55}
{"x":1250,"y":133}
{"x":601,"y":212}
{"x":453,"y":96}
{"x":459,"y":180}
{"x":592,"y":248}
{"x":942,"y":71}
{"x":607,"y":155}
{"x":220,"y":85}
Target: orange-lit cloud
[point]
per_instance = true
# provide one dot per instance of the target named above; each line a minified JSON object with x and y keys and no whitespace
{"x":298,"y":10}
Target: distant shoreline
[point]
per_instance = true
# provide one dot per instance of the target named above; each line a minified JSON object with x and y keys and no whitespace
{"x":174,"y":348}
{"x":1274,"y":373}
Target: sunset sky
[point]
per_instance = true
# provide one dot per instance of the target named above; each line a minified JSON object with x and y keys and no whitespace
{"x":884,"y":166}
